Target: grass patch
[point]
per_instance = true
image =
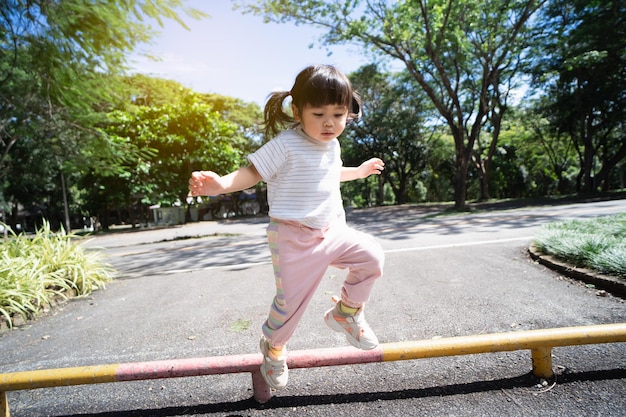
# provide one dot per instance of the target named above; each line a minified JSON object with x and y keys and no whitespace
{"x":598,"y":244}
{"x":240,"y":325}
{"x":36,"y":270}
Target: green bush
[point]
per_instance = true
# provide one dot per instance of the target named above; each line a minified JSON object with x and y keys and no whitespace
{"x":35,"y":270}
{"x":598,"y":244}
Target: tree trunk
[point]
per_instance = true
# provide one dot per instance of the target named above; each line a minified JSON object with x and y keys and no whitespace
{"x":381,"y":190}
{"x":5,"y":228}
{"x":484,"y":183}
{"x":588,"y":180}
{"x":66,"y":210}
{"x":460,"y":181}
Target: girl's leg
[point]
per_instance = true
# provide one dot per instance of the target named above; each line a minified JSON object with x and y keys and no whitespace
{"x":364,"y":259}
{"x":299,"y":265}
{"x":362,"y":256}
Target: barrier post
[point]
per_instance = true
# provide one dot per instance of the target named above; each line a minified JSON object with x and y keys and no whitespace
{"x":4,"y":405}
{"x":262,"y":392}
{"x":542,"y":362}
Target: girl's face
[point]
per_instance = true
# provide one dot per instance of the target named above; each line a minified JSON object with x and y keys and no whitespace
{"x":323,"y":123}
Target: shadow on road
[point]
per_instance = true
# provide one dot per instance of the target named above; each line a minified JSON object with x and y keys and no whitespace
{"x":527,"y":381}
{"x":151,"y":259}
{"x":400,"y":222}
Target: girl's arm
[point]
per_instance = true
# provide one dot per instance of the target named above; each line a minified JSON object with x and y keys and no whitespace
{"x":211,"y":184}
{"x":367,"y":168}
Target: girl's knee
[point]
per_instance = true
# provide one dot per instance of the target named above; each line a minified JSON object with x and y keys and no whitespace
{"x":374,"y":253}
{"x":373,"y":267}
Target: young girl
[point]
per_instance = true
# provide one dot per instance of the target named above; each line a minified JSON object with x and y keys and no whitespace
{"x":307,"y":232}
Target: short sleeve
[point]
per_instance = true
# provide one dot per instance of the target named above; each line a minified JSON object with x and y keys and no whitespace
{"x":269,"y":159}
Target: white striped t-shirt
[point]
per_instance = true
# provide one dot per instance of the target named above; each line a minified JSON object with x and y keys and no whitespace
{"x":302,"y":177}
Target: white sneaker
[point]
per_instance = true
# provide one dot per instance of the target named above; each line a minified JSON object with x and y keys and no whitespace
{"x":274,"y":370}
{"x":358,"y":333}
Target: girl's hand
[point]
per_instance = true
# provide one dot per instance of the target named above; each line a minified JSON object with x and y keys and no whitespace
{"x":367,"y":168}
{"x":371,"y":166}
{"x":205,"y":183}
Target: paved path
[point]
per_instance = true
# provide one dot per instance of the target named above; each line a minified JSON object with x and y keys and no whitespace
{"x":451,"y":276}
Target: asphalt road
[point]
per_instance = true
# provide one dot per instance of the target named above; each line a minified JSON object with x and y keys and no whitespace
{"x":204,"y":289}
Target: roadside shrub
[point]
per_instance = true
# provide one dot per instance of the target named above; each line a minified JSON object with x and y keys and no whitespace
{"x":36,"y":270}
{"x":598,"y":243}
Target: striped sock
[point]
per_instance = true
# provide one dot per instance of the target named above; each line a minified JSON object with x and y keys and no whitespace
{"x":276,"y":352}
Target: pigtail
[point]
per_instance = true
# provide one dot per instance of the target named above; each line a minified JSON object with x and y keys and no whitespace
{"x":356,"y":106}
{"x":274,"y":114}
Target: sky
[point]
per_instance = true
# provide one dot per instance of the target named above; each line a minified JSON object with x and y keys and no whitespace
{"x":238,"y":55}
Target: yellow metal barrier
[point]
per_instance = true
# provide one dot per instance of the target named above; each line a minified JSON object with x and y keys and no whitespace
{"x":539,"y":342}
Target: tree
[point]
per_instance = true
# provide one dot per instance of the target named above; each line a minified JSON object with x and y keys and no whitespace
{"x":176,"y":139}
{"x":394,"y":127}
{"x":456,"y":51}
{"x":171,"y":131}
{"x":583,"y":73}
{"x":58,"y":67}
{"x":64,"y":52}
{"x":550,"y":154}
{"x":155,"y":92}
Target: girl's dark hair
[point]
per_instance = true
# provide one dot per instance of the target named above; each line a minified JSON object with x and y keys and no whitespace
{"x":318,"y":85}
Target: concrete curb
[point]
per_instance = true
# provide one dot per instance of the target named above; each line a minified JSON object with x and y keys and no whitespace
{"x":612,"y":284}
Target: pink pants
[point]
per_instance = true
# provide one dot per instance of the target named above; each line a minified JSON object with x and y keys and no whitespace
{"x":301,"y":256}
